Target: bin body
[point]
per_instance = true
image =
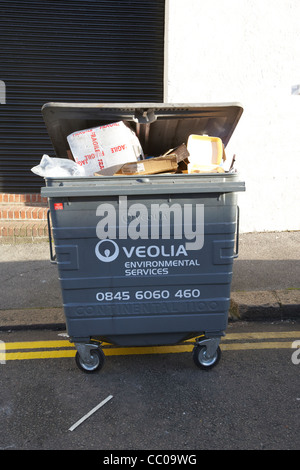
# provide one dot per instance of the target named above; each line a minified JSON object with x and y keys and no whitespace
{"x":144,"y":290}
{"x":145,"y":260}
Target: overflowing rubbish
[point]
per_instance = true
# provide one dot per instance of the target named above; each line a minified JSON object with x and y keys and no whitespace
{"x":114,"y":149}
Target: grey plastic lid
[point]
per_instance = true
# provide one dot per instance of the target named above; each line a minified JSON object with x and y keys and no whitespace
{"x":159,"y":127}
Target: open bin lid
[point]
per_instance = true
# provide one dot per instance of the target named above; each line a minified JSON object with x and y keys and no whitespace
{"x":159,"y":127}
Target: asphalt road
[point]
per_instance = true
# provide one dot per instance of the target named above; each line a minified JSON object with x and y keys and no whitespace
{"x":162,"y":402}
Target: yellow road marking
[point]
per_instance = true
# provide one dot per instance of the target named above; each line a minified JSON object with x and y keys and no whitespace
{"x":70,"y":351}
{"x":36,"y":355}
{"x":36,"y":345}
{"x":263,"y":335}
{"x":263,"y":345}
{"x":66,"y":344}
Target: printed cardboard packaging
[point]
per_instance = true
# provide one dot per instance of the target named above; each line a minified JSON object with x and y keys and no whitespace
{"x":105,"y":148}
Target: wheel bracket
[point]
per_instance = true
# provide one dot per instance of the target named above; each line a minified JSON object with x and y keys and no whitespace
{"x":84,"y":351}
{"x":211,"y":345}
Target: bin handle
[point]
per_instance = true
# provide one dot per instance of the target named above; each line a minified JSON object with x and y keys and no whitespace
{"x":236,"y":254}
{"x":52,"y":255}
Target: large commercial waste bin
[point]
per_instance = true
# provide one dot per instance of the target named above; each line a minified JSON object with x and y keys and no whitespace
{"x":144,"y":260}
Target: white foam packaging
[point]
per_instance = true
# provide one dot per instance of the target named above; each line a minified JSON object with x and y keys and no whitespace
{"x":105,"y":148}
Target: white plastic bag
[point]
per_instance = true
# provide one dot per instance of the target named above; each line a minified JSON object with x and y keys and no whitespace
{"x":57,"y":167}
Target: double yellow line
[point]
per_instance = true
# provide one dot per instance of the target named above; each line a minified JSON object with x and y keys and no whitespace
{"x":63,"y":348}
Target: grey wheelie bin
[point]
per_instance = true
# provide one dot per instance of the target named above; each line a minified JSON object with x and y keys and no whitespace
{"x":144,"y":260}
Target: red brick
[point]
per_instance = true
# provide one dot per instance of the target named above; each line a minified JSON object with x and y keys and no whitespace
{"x":23,"y":214}
{"x":42,"y":214}
{"x":34,"y":213}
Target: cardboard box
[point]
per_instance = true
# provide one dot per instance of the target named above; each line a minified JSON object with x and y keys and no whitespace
{"x":168,"y":162}
{"x":181,"y":153}
{"x":150,"y":166}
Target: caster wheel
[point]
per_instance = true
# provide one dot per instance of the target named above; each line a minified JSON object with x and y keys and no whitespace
{"x":96,"y":363}
{"x":202,"y":360}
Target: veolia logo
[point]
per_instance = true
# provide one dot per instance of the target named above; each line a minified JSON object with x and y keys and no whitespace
{"x":156,"y":222}
{"x":107,"y":250}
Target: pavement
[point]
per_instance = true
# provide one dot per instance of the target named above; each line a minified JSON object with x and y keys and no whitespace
{"x":265,"y":284}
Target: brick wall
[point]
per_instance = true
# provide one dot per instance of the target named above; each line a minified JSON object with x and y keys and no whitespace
{"x":23,"y":217}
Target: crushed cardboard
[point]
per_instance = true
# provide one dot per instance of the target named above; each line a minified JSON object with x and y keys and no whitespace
{"x":166,"y":163}
{"x":149,"y":166}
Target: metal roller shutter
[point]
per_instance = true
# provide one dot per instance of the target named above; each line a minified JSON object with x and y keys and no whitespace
{"x":73,"y":51}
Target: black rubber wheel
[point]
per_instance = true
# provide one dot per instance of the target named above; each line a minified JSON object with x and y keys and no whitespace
{"x":202,"y":361}
{"x":98,"y":359}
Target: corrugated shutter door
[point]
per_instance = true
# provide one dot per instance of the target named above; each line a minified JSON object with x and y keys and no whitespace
{"x":73,"y":51}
